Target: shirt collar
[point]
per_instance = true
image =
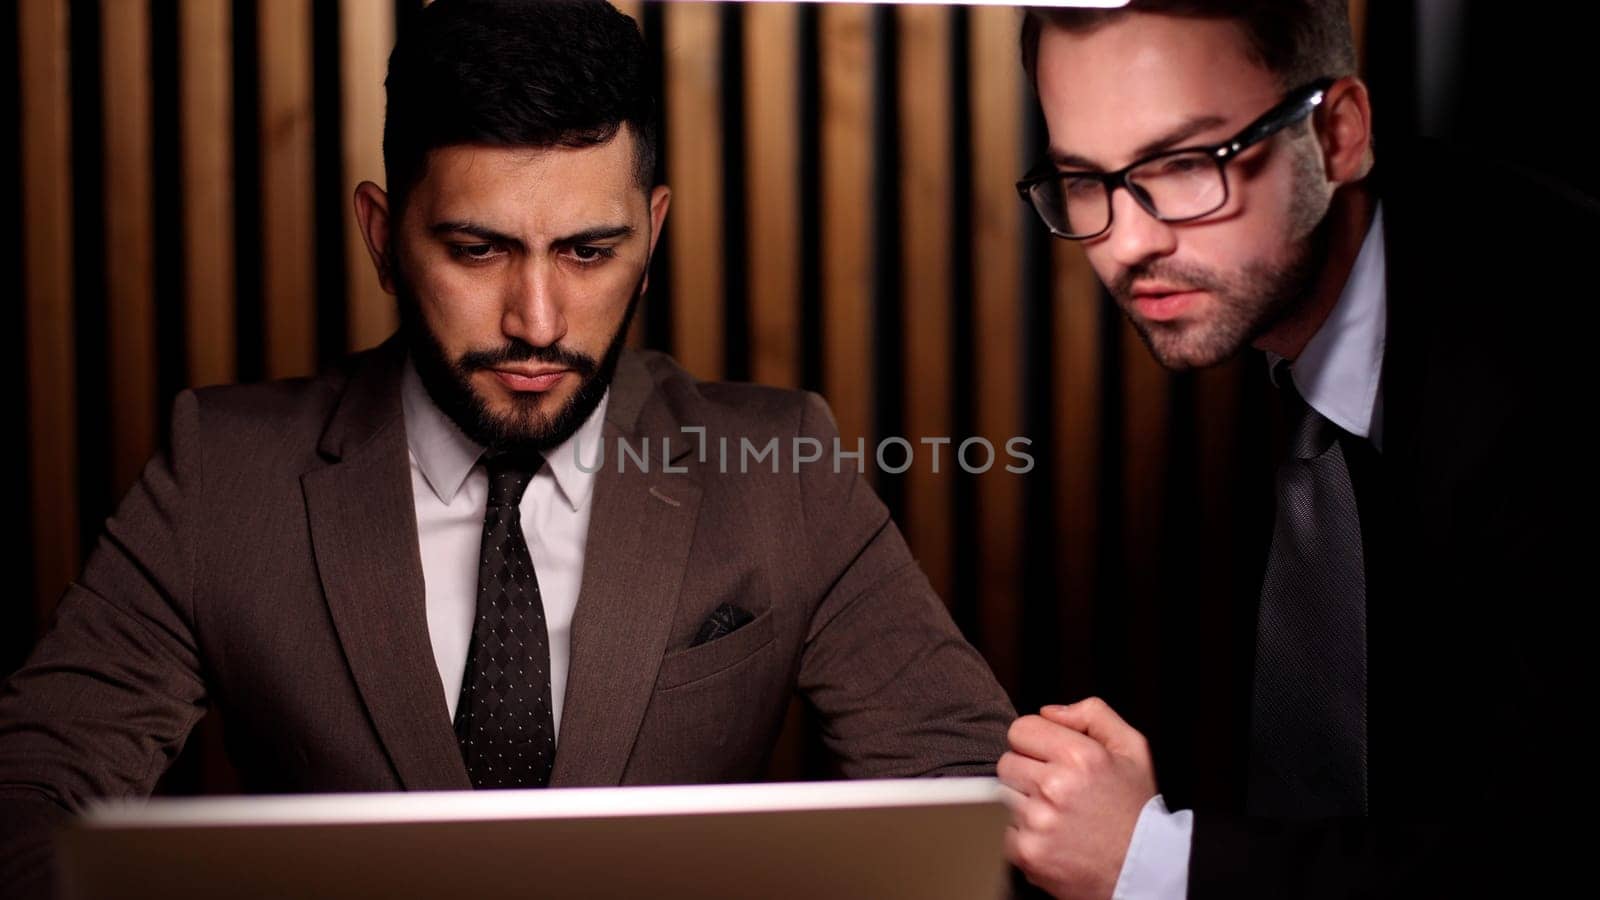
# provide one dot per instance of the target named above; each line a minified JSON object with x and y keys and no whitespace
{"x":446,"y":455}
{"x":1338,"y":372}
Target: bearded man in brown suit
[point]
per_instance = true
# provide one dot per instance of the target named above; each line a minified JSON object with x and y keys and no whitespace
{"x":414,"y":573}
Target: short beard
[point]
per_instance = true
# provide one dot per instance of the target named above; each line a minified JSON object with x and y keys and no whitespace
{"x":1250,"y":302}
{"x":525,"y":429}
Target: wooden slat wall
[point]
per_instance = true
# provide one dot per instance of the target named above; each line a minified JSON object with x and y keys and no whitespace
{"x":46,"y":161}
{"x":634,"y":9}
{"x":130,"y":246}
{"x":694,"y":169}
{"x":287,"y":230}
{"x":206,"y":112}
{"x":366,"y":33}
{"x":991,"y":338}
{"x":1145,"y":436}
{"x":845,"y":37}
{"x":925,"y":213}
{"x":772,"y":134}
{"x":1076,"y":377}
{"x":997,"y":156}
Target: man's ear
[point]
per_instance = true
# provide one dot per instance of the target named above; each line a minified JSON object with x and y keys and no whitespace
{"x":660,"y":199}
{"x":372,"y":216}
{"x":1345,"y":131}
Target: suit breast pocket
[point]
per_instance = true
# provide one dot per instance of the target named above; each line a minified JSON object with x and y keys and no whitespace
{"x":695,"y":663}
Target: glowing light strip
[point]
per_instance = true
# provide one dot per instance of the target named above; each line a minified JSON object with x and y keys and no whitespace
{"x":458,"y":806}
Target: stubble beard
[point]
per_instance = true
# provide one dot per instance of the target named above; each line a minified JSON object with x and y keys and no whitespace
{"x":526,"y":428}
{"x":1249,"y":301}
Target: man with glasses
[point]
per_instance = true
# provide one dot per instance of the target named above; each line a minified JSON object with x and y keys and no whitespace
{"x":1406,"y":713}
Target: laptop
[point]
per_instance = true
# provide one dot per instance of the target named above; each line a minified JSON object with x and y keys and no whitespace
{"x":932,"y":838}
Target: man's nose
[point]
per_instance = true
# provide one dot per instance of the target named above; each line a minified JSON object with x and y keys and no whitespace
{"x":1136,"y":235}
{"x":533,"y":312}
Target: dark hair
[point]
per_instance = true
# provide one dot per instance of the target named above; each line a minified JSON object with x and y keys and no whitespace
{"x":1297,"y":40}
{"x":556,"y":73}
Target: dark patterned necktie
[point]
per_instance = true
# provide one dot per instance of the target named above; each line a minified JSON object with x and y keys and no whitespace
{"x":503,"y":720}
{"x":1309,"y":706}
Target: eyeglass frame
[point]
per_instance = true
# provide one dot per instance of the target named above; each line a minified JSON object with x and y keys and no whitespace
{"x":1294,"y":108}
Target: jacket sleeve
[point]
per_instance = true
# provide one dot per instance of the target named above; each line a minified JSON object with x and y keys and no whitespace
{"x":111,"y":691}
{"x":898,"y":691}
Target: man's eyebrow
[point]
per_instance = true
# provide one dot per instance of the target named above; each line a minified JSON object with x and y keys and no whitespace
{"x":481,"y":232}
{"x":595,"y":235}
{"x":1171,"y":140}
{"x":492,"y":236}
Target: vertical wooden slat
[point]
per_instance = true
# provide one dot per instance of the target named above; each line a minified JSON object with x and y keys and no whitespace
{"x":1358,"y":24}
{"x":1077,"y":363}
{"x":288,"y":235}
{"x":925,"y":210}
{"x":1146,"y":444}
{"x":47,"y":209}
{"x":130,"y":253}
{"x":997,"y":94}
{"x":366,"y":34}
{"x":1145,"y":389}
{"x":633,"y":9}
{"x":845,"y":48}
{"x":694,"y":161}
{"x":206,"y":113}
{"x":772,"y":136}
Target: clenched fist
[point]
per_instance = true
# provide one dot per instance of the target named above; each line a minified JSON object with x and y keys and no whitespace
{"x":1080,"y":775}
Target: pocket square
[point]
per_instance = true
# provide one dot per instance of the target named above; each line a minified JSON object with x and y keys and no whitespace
{"x":723,"y":620}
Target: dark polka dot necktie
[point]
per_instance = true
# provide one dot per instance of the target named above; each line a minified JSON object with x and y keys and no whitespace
{"x":504,"y":722}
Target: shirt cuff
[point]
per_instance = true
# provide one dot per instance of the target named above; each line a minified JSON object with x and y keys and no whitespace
{"x":1157,"y":864}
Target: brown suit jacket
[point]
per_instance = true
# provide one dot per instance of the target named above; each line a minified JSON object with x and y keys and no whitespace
{"x":266,"y":564}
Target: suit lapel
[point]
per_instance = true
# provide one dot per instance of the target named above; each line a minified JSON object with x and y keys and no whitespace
{"x":363,"y":532}
{"x":638,"y":548}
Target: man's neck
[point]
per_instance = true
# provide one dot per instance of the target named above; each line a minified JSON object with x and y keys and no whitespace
{"x":1349,"y":217}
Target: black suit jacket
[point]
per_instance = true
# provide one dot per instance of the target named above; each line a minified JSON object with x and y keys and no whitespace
{"x":1477,"y":517}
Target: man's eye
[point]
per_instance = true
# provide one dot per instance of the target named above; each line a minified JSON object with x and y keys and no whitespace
{"x":588,"y":254}
{"x":1081,"y":187}
{"x":473,"y":251}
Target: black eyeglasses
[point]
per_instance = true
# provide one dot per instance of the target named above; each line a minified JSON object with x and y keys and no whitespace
{"x":1174,"y":185}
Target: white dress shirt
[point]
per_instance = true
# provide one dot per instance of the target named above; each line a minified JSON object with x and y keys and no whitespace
{"x":1338,"y":371}
{"x":1338,"y":374}
{"x":451,"y":492}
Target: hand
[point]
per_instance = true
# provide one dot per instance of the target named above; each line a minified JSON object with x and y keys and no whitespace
{"x":1081,"y":776}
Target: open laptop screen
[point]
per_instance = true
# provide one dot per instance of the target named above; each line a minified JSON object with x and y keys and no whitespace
{"x":930,"y":838}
